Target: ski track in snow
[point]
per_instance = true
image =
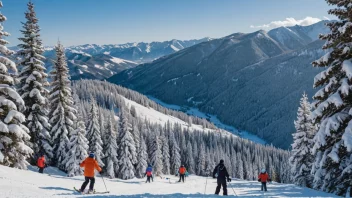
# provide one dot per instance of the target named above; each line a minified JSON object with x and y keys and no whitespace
{"x":29,"y":184}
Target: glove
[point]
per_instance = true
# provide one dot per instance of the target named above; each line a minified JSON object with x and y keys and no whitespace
{"x":269,"y":180}
{"x":101,"y":172}
{"x":259,"y":180}
{"x":228,"y":179}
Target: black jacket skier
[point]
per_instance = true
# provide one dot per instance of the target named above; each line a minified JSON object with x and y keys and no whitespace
{"x":222,"y":176}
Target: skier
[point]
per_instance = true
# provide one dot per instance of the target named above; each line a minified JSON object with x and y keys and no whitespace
{"x":182,"y":171}
{"x":41,"y":163}
{"x":263,"y":177}
{"x":222,"y":176}
{"x":149,"y":173}
{"x":89,"y":164}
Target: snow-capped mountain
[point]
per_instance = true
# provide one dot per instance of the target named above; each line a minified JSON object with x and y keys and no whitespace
{"x":297,"y":36}
{"x":251,"y":81}
{"x":138,"y":52}
{"x":103,"y":61}
{"x":84,"y":65}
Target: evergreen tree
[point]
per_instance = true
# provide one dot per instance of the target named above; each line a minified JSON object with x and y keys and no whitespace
{"x":14,"y":136}
{"x":102,"y":127}
{"x":166,"y":155}
{"x":333,"y":103}
{"x":94,"y":136}
{"x":127,"y":149}
{"x":302,"y":158}
{"x":33,"y":86}
{"x":189,"y":158}
{"x":156,"y":157}
{"x":142,"y":158}
{"x":136,"y":135}
{"x":110,"y":149}
{"x":175,"y":154}
{"x":62,"y":112}
{"x":201,"y":169}
{"x":78,"y":148}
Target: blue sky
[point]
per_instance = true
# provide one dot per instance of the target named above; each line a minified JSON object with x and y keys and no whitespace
{"x":119,"y":21}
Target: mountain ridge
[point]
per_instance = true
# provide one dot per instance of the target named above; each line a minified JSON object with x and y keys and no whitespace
{"x":210,"y":74}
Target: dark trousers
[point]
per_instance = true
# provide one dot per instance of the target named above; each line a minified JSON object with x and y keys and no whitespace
{"x":148,"y":179}
{"x":41,"y":170}
{"x":264,"y":186}
{"x":85,"y":183}
{"x":224,"y":187}
{"x":182,"y":176}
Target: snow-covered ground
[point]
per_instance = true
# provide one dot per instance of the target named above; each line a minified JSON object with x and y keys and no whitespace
{"x":16,"y":183}
{"x":213,"y":119}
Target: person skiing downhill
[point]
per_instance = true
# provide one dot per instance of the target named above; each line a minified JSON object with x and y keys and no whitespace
{"x":41,"y":163}
{"x":263,"y":178}
{"x":222,"y":176}
{"x":149,"y":173}
{"x":182,"y":171}
{"x":89,"y":164}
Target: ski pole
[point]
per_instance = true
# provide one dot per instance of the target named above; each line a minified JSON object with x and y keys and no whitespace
{"x":206,"y":182}
{"x":104,"y":183}
{"x":232,"y":189}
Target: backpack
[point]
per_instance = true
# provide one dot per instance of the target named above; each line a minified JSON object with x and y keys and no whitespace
{"x":149,"y":173}
{"x":182,"y":170}
{"x":217,"y":172}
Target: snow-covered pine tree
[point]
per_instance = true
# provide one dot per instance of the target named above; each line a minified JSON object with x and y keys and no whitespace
{"x":165,"y":154}
{"x":239,"y":171}
{"x":78,"y":148}
{"x":189,"y":159}
{"x":102,"y":127}
{"x":110,"y":149}
{"x":62,"y":112}
{"x":201,"y":169}
{"x":142,"y":156}
{"x":302,"y":158}
{"x":333,"y":104}
{"x":136,"y":135}
{"x":156,"y":158}
{"x":33,"y":86}
{"x":127,"y":150}
{"x":174,"y":154}
{"x":93,"y":133}
{"x":14,"y":137}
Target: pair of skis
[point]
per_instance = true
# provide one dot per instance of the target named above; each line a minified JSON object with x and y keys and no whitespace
{"x":94,"y":192}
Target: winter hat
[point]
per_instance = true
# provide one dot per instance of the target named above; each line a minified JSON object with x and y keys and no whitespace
{"x":221,"y":161}
{"x":263,"y":170}
{"x":91,"y":155}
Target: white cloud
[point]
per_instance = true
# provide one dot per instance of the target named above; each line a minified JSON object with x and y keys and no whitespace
{"x":288,"y":22}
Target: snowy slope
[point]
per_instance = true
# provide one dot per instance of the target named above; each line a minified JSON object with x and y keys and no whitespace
{"x":29,"y":184}
{"x":157,"y":117}
{"x":84,"y":65}
{"x":213,"y":119}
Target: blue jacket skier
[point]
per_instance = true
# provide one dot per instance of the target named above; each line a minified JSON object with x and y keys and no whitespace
{"x":149,"y":173}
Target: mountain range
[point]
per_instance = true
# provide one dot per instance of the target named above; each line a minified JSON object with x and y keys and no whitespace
{"x":102,"y":61}
{"x":251,"y":81}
